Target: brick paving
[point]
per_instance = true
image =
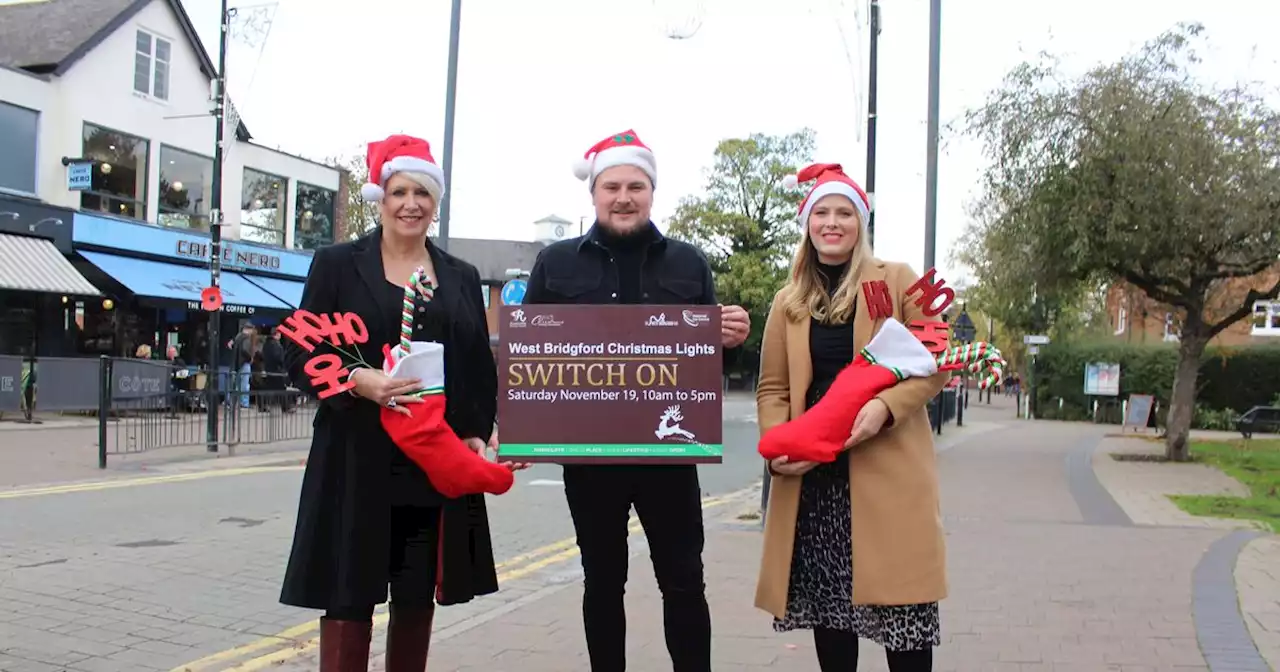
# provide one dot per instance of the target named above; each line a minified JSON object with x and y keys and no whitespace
{"x":1258,"y":578}
{"x":1035,"y":584}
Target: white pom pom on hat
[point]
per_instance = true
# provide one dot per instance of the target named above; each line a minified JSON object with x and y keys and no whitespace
{"x":582,"y":169}
{"x":790,"y":181}
{"x":371,"y":192}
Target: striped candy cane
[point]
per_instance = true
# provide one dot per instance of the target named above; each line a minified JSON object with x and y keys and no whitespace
{"x":419,"y":283}
{"x":976,"y":357}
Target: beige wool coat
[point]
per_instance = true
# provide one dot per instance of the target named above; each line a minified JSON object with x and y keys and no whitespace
{"x":899,"y":552}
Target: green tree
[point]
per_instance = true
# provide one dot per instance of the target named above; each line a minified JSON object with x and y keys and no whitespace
{"x":1138,"y":173}
{"x":362,"y":217}
{"x":744,"y":221}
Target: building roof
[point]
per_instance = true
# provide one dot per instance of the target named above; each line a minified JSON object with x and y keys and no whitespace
{"x":493,"y":257}
{"x":50,"y":36}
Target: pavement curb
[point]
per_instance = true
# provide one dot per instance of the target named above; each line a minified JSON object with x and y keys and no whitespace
{"x":1220,"y":628}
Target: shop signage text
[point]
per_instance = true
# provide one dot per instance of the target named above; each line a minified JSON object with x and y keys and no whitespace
{"x":231,"y":256}
{"x":226,"y":308}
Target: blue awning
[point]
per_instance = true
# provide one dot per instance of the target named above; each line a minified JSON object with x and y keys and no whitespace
{"x":154,"y":279}
{"x":287,"y":291}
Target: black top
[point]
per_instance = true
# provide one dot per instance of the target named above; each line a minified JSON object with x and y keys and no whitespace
{"x":628,"y":253}
{"x":830,"y":350}
{"x":409,"y":485}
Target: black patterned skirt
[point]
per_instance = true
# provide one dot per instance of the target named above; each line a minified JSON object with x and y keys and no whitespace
{"x":820,"y":592}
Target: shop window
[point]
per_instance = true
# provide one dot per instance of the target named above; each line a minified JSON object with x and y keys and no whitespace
{"x":151,"y":65}
{"x":186,"y":184}
{"x":18,"y":127}
{"x":313,"y":217}
{"x":120,"y":164}
{"x":262,"y":207}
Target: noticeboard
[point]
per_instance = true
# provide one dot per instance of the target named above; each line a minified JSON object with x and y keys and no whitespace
{"x":1139,"y":410}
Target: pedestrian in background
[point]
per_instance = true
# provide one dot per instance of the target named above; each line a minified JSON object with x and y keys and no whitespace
{"x":624,"y":259}
{"x":852,"y":548}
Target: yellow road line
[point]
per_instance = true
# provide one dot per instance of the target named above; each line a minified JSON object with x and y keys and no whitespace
{"x":533,"y":561}
{"x":92,"y":486}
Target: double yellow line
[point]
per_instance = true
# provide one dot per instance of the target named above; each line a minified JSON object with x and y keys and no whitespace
{"x":289,"y":644}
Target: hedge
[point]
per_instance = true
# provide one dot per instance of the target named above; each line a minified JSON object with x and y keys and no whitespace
{"x":1232,"y":379}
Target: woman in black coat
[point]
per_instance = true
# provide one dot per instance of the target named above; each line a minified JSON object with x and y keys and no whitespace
{"x":368,"y":518}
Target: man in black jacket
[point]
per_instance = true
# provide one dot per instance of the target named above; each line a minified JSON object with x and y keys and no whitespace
{"x":624,"y":259}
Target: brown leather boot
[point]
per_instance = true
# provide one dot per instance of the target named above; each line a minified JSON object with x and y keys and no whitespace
{"x":409,"y":638}
{"x":344,"y":645}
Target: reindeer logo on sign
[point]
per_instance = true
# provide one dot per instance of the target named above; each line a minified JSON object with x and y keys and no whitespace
{"x":669,"y":425}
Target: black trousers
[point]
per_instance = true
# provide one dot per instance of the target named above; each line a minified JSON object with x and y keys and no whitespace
{"x":668,"y":501}
{"x":415,"y":540}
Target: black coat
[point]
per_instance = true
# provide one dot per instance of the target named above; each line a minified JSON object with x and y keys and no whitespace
{"x":340,"y":552}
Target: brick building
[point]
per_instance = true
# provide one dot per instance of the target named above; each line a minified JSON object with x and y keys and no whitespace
{"x":1137,"y":319}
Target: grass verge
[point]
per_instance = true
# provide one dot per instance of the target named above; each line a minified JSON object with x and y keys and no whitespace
{"x":1256,"y":464}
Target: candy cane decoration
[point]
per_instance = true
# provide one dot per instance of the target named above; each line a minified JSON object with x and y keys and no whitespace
{"x":976,"y":357}
{"x":419,"y":283}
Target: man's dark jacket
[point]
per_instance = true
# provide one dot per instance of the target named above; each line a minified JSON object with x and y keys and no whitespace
{"x":581,"y":271}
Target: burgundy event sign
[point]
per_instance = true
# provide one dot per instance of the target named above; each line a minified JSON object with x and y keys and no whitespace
{"x":610,"y":383}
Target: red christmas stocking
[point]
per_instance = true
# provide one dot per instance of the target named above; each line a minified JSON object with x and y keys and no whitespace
{"x":818,"y":435}
{"x":453,"y":468}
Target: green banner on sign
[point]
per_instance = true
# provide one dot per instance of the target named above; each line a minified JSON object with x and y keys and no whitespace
{"x":516,"y":451}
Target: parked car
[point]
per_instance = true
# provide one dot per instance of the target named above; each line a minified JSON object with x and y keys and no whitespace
{"x":1259,"y":419}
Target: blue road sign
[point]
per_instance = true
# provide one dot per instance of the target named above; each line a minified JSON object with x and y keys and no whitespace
{"x":513,"y":292}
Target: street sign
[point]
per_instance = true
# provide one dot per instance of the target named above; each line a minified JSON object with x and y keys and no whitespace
{"x":513,"y":292}
{"x":80,"y":176}
{"x":1035,"y":340}
{"x":1033,"y":350}
{"x":964,"y":331}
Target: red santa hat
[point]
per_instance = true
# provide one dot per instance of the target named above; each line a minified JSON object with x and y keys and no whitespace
{"x":622,"y":149}
{"x":831,"y":180}
{"x":399,"y":154}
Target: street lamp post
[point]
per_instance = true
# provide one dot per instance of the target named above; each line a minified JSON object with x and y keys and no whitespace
{"x":931,"y":157}
{"x":450,"y":101}
{"x":215,"y":230}
{"x":871,"y":120}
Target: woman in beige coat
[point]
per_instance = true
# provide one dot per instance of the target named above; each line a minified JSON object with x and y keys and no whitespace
{"x":852,"y":548}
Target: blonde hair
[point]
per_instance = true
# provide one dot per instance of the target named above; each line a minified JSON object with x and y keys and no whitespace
{"x":805,"y":294}
{"x":426,"y":182}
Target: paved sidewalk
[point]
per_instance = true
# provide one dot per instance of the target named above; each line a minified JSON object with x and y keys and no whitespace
{"x":1044,"y":576}
{"x":1142,"y":489}
{"x":1258,"y":580}
{"x":40,"y":457}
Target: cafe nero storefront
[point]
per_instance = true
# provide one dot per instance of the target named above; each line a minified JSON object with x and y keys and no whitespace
{"x":153,"y":276}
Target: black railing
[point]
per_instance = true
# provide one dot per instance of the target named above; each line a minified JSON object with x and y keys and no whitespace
{"x":146,"y":405}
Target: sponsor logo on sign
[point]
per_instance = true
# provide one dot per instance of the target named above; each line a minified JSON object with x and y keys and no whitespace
{"x":660,"y":320}
{"x":517,"y":319}
{"x":694,"y":319}
{"x":545,"y":321}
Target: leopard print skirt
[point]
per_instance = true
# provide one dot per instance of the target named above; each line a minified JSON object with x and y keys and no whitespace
{"x":821,"y":587}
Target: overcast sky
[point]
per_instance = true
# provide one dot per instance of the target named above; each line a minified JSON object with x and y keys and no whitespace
{"x":539,"y":81}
